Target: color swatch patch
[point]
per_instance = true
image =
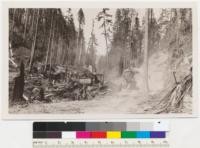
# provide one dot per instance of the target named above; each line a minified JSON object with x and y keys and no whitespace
{"x":128,"y":134}
{"x":113,"y":134}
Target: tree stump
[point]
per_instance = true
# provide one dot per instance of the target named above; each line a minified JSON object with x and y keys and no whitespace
{"x":19,"y":85}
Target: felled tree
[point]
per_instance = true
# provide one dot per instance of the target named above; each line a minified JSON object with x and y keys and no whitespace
{"x":173,"y":100}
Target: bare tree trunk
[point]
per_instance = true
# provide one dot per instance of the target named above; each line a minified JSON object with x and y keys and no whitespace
{"x":59,"y":51}
{"x":146,"y":50}
{"x":51,"y":51}
{"x":49,"y":42}
{"x":80,"y":43}
{"x":80,"y":46}
{"x":14,"y":11}
{"x":32,"y":24}
{"x":104,"y":26}
{"x":131,"y":39}
{"x":178,"y":27}
{"x":26,"y":20}
{"x":34,"y":42}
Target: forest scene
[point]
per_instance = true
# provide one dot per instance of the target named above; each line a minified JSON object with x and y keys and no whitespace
{"x":100,"y":61}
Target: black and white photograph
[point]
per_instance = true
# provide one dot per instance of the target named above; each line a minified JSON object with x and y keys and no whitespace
{"x":100,"y":60}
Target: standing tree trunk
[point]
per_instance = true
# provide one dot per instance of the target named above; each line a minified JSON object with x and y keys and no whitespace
{"x":80,"y":44}
{"x":13,"y":23}
{"x":146,"y":50}
{"x":33,"y":19}
{"x":81,"y":21}
{"x":104,"y":26}
{"x":177,"y":30}
{"x":33,"y":45}
{"x":49,"y":42}
{"x":51,"y":51}
{"x":26,"y":21}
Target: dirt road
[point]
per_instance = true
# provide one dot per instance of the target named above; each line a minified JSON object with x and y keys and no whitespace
{"x":123,"y":102}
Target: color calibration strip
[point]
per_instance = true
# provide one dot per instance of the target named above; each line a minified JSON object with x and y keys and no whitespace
{"x":101,"y":134}
{"x":100,"y":130}
{"x":105,"y":135}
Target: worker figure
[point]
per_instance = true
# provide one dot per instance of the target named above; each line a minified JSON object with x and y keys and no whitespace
{"x":90,"y":68}
{"x":129,"y":77}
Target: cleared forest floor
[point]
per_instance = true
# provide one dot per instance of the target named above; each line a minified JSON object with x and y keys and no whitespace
{"x":115,"y":101}
{"x":124,"y":102}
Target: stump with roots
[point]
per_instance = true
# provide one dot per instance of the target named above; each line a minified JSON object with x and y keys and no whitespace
{"x":173,"y":100}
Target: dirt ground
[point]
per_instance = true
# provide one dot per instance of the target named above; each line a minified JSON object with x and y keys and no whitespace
{"x":124,"y":102}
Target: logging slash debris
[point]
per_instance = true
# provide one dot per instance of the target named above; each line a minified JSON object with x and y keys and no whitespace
{"x":45,"y":83}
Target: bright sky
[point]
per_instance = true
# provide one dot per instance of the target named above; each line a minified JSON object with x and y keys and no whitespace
{"x":90,"y":14}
